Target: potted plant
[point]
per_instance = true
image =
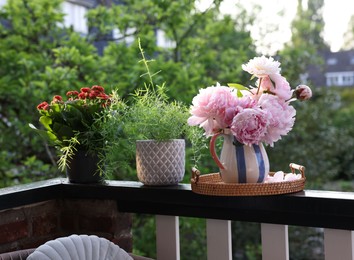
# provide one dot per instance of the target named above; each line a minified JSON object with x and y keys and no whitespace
{"x":156,"y":130}
{"x":158,"y":127}
{"x":247,"y":117}
{"x":74,"y":127}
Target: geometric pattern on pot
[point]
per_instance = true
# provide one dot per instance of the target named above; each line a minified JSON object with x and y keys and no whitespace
{"x":160,"y":163}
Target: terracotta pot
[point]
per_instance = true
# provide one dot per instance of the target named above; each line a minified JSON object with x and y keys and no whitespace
{"x":160,"y":163}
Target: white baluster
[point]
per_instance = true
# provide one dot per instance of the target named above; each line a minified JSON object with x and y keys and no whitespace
{"x":338,"y":244}
{"x":219,"y":239}
{"x":167,"y":238}
{"x":275,"y":242}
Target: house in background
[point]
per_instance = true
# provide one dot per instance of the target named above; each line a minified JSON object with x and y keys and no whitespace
{"x":337,"y":70}
{"x":75,"y":12}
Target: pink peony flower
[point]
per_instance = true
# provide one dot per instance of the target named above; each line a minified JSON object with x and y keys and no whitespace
{"x":281,"y":176}
{"x":277,"y":177}
{"x":242,"y":103}
{"x":303,"y":92}
{"x":292,"y":177}
{"x":262,"y":66}
{"x":253,"y":114}
{"x":250,"y":126}
{"x":281,"y":117}
{"x":211,"y":108}
{"x":276,"y":84}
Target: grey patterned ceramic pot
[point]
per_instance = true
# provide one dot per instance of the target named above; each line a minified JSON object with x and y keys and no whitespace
{"x":160,"y":163}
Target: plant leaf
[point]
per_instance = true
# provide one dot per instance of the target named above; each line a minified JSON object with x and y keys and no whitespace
{"x":46,"y":121}
{"x":237,"y":86}
{"x":46,"y":135}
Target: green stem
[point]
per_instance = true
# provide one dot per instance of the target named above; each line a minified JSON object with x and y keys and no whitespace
{"x":259,"y":85}
{"x":146,"y":64}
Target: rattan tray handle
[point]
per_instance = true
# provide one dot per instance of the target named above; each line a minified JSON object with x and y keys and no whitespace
{"x":195,"y":174}
{"x":300,"y":168}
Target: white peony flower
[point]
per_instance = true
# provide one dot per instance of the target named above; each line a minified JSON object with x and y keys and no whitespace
{"x":262,"y":66}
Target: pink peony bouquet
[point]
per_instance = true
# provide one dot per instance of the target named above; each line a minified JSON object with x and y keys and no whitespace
{"x":255,"y":114}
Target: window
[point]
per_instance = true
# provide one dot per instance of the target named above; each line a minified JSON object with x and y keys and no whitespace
{"x":162,"y":41}
{"x":75,"y":17}
{"x":127,"y":37}
{"x":331,"y":61}
{"x":345,"y":78}
{"x":332,"y":81}
{"x":348,"y":80}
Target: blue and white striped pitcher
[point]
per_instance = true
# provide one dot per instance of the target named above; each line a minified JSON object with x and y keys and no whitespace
{"x":240,"y":163}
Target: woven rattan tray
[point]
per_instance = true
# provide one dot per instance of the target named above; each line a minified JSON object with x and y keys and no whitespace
{"x":211,"y":184}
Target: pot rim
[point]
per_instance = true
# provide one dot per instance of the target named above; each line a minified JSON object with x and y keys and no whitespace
{"x":162,"y":141}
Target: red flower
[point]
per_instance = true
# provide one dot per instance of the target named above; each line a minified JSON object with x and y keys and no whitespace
{"x":94,"y":94}
{"x":57,"y":99}
{"x":85,"y":90}
{"x":97,"y":88}
{"x":83,"y":95}
{"x":103,"y":96}
{"x":72,"y":93}
{"x":43,"y":106}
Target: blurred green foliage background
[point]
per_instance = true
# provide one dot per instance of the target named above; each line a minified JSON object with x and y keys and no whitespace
{"x":40,"y":57}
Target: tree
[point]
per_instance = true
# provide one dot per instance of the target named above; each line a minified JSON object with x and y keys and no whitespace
{"x":308,"y":25}
{"x":306,"y":41}
{"x":205,"y":47}
{"x":349,"y":35}
{"x":320,"y":121}
{"x":38,"y":58}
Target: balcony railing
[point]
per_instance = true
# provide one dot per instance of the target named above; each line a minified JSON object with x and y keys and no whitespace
{"x":333,"y":211}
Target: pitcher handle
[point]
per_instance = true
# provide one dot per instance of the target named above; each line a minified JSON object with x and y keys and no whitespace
{"x":213,"y":153}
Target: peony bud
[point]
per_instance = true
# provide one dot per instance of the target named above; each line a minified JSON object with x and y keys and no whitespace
{"x":303,"y":92}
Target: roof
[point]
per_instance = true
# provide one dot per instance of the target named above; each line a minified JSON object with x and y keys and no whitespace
{"x":339,"y":61}
{"x":335,"y":63}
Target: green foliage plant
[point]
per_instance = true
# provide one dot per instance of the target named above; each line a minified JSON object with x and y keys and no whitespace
{"x":151,"y":115}
{"x":75,"y":124}
{"x":148,"y":115}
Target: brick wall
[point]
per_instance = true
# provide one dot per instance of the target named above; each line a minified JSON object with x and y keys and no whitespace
{"x":32,"y":225}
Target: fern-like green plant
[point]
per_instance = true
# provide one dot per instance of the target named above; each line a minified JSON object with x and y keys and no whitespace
{"x":67,"y":153}
{"x":148,"y":115}
{"x":151,"y":115}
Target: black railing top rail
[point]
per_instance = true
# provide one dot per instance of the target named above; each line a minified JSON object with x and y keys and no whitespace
{"x":307,"y":208}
